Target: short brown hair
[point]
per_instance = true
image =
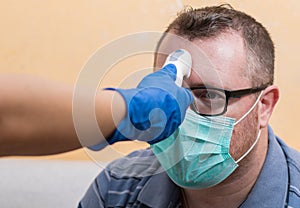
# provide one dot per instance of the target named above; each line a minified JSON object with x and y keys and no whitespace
{"x":209,"y":22}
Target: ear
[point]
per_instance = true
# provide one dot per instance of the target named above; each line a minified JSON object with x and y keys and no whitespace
{"x":267,"y":103}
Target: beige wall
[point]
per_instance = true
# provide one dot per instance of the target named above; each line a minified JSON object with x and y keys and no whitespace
{"x":54,"y":39}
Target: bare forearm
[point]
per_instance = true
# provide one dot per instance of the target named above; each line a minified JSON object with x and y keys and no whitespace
{"x":36,"y":116}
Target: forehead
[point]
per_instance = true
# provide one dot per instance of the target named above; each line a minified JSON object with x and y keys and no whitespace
{"x":218,"y":62}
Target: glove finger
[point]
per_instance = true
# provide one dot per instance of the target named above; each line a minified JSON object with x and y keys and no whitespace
{"x":169,"y":70}
{"x":185,"y":99}
{"x":159,"y":78}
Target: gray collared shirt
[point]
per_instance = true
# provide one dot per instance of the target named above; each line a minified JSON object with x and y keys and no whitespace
{"x":138,"y":180}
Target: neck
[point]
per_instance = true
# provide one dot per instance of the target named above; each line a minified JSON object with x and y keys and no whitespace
{"x":235,"y":189}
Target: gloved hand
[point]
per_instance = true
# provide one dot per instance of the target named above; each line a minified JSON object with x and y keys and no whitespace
{"x":155,"y":108}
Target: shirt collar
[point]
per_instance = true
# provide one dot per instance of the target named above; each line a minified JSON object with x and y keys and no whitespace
{"x":270,"y":189}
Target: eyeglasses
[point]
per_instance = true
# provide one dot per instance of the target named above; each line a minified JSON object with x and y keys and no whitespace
{"x":213,"y":101}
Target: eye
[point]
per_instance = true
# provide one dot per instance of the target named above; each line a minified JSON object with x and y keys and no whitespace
{"x":209,"y":101}
{"x":209,"y":94}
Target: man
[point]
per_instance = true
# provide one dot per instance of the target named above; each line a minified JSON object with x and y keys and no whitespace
{"x":224,"y":154}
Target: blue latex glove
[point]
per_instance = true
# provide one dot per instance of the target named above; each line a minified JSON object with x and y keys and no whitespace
{"x":155,"y":108}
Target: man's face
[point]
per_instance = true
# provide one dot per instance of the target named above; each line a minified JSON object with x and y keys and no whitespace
{"x":221,"y":62}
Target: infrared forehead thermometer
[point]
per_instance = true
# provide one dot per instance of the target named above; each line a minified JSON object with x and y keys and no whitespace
{"x":182,"y":59}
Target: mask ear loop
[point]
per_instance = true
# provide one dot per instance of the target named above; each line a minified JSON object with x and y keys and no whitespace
{"x":249,"y":150}
{"x":249,"y":111}
{"x":259,"y":132}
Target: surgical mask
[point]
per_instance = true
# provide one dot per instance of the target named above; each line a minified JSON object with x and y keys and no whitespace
{"x":197,"y":154}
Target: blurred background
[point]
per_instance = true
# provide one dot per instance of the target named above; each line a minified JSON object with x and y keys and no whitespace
{"x":54,"y":39}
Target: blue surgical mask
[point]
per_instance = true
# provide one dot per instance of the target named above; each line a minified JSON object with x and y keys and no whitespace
{"x":197,"y":154}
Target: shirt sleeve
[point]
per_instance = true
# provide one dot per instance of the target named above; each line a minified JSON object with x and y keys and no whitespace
{"x":94,"y":197}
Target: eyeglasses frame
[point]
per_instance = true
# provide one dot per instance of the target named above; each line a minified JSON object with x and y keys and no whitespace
{"x":229,"y":94}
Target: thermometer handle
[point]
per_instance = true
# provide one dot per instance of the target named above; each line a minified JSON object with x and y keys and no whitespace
{"x":183,"y":61}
